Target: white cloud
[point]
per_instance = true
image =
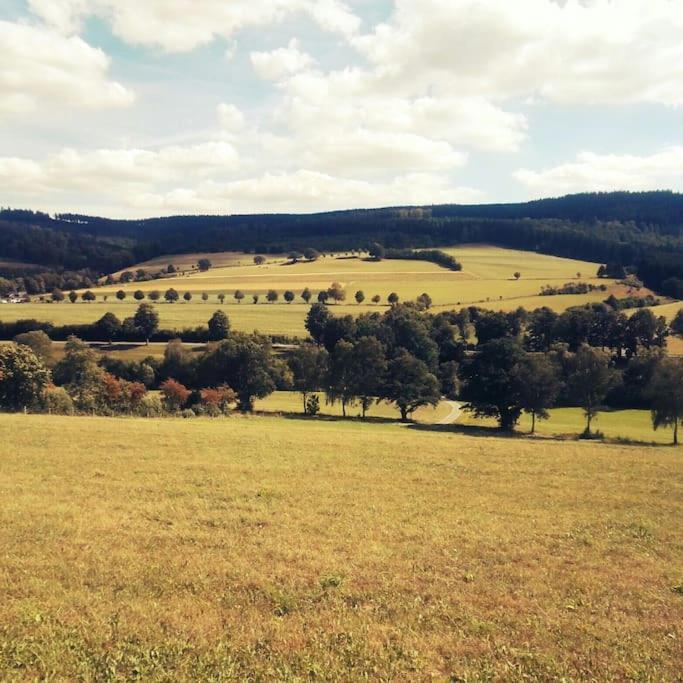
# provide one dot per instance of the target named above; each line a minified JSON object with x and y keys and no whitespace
{"x":230,"y":117}
{"x":111,"y":171}
{"x":284,"y":61}
{"x":305,"y":190}
{"x":40,"y":66}
{"x":182,"y":25}
{"x":596,"y":172}
{"x":585,"y":51}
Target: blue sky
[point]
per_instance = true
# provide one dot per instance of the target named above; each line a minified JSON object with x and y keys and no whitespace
{"x":124,"y":108}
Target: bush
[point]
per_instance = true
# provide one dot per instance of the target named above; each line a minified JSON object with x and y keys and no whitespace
{"x":188,"y":413}
{"x":313,"y":405}
{"x":151,"y":406}
{"x":58,"y":401}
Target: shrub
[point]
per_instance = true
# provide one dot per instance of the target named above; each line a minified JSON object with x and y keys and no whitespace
{"x":175,"y":394}
{"x":58,"y":401}
{"x":313,"y":405}
{"x":151,"y":406}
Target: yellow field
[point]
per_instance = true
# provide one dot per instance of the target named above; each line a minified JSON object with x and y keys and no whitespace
{"x":284,"y":549}
{"x":482,"y":267}
{"x":486,"y":280}
{"x":632,"y":425}
{"x":675,"y":345}
{"x":667,"y":310}
{"x":185,"y":262}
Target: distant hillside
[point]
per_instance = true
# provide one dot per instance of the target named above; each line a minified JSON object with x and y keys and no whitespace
{"x":643,"y":230}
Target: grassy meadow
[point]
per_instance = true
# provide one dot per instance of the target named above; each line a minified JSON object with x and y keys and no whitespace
{"x":273,"y":548}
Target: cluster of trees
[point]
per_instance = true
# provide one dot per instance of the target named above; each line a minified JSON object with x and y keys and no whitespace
{"x":36,"y":281}
{"x":626,"y":302}
{"x":597,"y":325}
{"x":571,"y":288}
{"x":503,"y":380}
{"x":437,"y":256}
{"x":523,"y":362}
{"x":236,"y":370}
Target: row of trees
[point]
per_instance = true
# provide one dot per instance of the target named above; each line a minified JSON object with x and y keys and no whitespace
{"x":333,"y":294}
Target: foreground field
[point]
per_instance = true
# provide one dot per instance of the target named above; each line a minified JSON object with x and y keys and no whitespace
{"x":268,"y":548}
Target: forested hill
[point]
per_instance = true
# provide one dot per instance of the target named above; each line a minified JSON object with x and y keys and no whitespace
{"x":643,"y":230}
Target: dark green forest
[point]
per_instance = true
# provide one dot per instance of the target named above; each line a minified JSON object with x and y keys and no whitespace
{"x":642,"y":231}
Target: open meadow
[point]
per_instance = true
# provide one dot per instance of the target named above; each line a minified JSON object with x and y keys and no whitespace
{"x":290,"y":549}
{"x":487,"y":280}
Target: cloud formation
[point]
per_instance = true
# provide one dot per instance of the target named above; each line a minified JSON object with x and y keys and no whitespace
{"x":41,"y":67}
{"x":337,"y":112}
{"x":183,"y":25}
{"x":605,"y":172}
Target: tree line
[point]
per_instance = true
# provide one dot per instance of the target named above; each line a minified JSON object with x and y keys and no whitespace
{"x":521,"y":362}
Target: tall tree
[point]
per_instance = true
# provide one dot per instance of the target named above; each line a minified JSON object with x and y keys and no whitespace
{"x":23,"y":377}
{"x":219,"y":326}
{"x":39,"y":343}
{"x":146,"y":319}
{"x":244,"y":364}
{"x":341,"y":375}
{"x":316,"y":320}
{"x":308,"y":364}
{"x":369,"y":371}
{"x":590,"y":380}
{"x":80,"y":375}
{"x":410,"y":384}
{"x":108,"y":326}
{"x":490,"y":382}
{"x":666,"y":395}
{"x":538,"y":386}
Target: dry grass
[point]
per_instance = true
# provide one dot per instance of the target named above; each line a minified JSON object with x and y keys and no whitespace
{"x":265,"y":548}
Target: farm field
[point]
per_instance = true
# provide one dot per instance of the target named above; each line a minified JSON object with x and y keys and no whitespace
{"x":185,"y":262}
{"x":667,"y":310}
{"x":291,"y":402}
{"x":633,"y":425}
{"x":289,"y":549}
{"x":486,"y":280}
{"x":481,"y":266}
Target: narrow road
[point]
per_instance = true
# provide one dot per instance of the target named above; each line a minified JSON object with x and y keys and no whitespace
{"x":456,"y":409}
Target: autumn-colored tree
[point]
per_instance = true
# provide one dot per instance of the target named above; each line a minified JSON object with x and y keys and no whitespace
{"x":175,"y":395}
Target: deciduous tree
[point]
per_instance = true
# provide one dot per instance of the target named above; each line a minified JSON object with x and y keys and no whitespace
{"x":219,"y":326}
{"x":146,"y":320}
{"x":23,"y":377}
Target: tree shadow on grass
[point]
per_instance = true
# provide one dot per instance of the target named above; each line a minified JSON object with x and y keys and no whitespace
{"x":495,"y":432}
{"x":326,"y":418}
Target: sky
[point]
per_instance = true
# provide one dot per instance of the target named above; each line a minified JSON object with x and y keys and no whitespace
{"x":134,"y":108}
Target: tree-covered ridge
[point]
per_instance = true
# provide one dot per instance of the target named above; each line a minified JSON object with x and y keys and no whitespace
{"x":643,"y":231}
